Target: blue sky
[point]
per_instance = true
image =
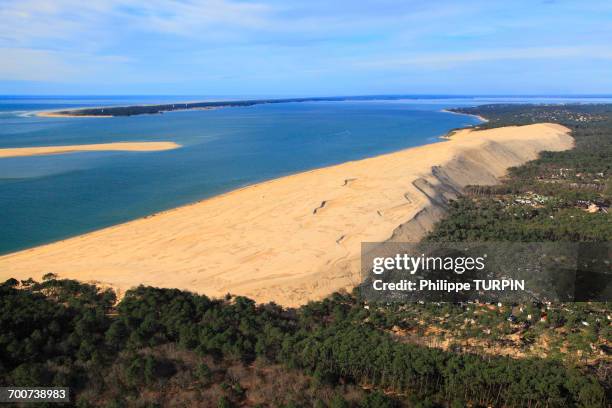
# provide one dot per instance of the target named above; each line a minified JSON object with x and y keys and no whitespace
{"x":306,"y":47}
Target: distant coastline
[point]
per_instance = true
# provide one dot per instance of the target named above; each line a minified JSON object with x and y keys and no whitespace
{"x":483,"y":119}
{"x":133,"y":110}
{"x":66,"y":114}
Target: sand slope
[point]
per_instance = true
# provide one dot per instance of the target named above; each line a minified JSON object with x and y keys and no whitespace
{"x":120,"y":146}
{"x":295,"y":238}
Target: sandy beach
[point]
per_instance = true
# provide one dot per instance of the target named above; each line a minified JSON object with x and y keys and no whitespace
{"x":296,"y":238}
{"x":457,"y":113}
{"x":119,"y":146}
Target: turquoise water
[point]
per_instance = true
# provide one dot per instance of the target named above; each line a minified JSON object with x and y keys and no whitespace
{"x":47,"y":198}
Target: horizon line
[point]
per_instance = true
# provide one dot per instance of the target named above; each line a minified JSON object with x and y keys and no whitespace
{"x":440,"y":95}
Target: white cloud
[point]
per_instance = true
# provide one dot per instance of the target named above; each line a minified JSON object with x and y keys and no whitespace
{"x":198,"y":39}
{"x":27,"y":21}
{"x":445,"y":60}
{"x":192,"y":16}
{"x":55,"y":39}
{"x":26,"y":64}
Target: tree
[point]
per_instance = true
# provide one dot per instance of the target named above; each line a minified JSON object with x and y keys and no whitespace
{"x":338,"y":402}
{"x":224,"y":402}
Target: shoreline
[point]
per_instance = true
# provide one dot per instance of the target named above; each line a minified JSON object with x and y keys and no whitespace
{"x":58,"y":114}
{"x":95,"y":147}
{"x":295,"y":238}
{"x":160,"y":108}
{"x":479,"y":117}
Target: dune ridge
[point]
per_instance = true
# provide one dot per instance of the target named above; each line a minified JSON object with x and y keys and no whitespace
{"x":296,"y":238}
{"x":96,"y":147}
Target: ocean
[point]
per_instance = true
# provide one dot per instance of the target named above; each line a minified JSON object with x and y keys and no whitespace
{"x":48,"y":198}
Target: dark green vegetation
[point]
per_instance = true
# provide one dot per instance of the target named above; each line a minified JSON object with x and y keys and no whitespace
{"x":162,"y":347}
{"x":168,"y":107}
{"x":563,"y":196}
{"x":168,"y":347}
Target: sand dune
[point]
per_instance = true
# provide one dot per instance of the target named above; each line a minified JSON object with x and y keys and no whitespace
{"x":120,"y":146}
{"x":296,"y":238}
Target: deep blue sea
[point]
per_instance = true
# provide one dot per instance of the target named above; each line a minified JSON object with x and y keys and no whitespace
{"x":47,"y":198}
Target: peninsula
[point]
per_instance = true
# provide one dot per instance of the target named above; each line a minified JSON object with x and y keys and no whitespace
{"x":132,"y":110}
